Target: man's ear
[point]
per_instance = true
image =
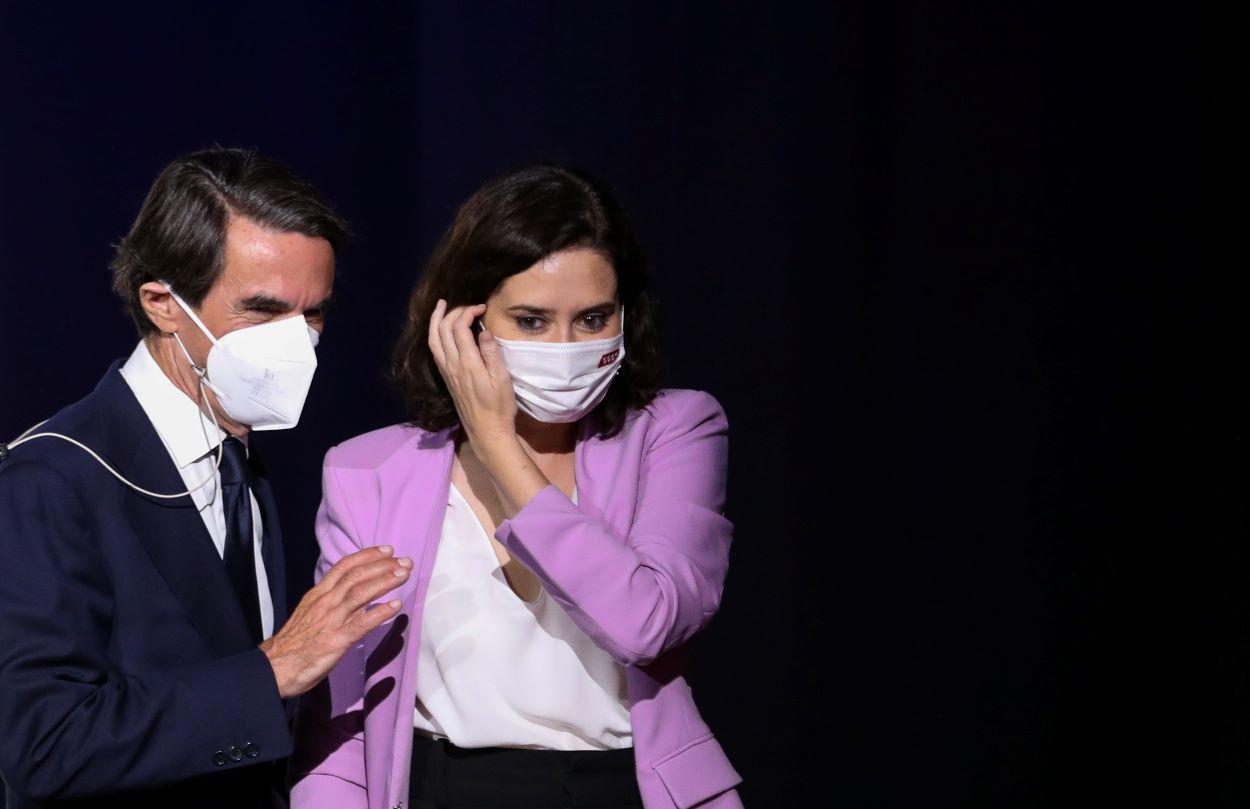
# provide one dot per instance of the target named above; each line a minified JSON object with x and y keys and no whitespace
{"x":160,"y":306}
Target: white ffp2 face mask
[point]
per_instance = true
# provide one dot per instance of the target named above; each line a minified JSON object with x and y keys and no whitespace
{"x":562,"y":382}
{"x":260,"y":374}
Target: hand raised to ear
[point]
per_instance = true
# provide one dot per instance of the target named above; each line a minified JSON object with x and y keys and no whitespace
{"x":475,"y":373}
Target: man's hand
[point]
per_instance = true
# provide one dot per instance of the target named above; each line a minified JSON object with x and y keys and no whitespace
{"x":333,"y":616}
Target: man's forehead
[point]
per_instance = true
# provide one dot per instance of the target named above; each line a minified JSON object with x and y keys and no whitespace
{"x":270,"y":267}
{"x":247,"y":241}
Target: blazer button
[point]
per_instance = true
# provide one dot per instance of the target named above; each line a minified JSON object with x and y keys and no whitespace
{"x":219,"y":758}
{"x":236,"y":754}
{"x":251,"y":750}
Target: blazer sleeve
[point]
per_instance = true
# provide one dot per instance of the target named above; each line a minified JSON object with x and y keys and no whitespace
{"x":74,"y":725}
{"x":328,"y":767}
{"x":638,"y":596}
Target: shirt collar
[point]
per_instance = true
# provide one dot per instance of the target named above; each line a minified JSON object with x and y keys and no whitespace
{"x":186,"y":431}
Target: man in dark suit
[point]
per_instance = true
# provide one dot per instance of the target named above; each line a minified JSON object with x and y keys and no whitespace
{"x":146,"y":657}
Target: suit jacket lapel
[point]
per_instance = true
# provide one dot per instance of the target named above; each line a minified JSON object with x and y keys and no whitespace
{"x":171,"y":531}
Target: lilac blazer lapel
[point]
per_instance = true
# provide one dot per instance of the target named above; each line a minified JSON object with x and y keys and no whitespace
{"x":416,"y":490}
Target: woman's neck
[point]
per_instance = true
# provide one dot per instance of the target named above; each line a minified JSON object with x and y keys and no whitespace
{"x":546,"y":439}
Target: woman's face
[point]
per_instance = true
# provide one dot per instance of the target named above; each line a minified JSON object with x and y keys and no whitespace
{"x":566,"y":297}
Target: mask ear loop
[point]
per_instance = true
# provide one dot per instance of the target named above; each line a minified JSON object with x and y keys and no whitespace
{"x":31,"y":435}
{"x":202,"y":372}
{"x":208,"y":442}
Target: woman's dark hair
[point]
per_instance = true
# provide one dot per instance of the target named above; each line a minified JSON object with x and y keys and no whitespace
{"x":180,"y":233}
{"x":511,"y":223}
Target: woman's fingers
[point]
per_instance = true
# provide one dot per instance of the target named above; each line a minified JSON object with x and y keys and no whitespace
{"x":492,"y":358}
{"x":436,"y":341}
{"x":459,"y":348}
{"x":448,"y":339}
{"x":474,"y":372}
{"x":466,"y":345}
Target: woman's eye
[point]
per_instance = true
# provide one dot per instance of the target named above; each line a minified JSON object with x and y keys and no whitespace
{"x":530,"y":323}
{"x":594,"y":322}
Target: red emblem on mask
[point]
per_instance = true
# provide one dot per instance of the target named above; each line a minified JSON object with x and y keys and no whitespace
{"x":609,"y":358}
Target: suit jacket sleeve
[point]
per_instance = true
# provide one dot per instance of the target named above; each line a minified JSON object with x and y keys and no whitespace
{"x":328,"y":768}
{"x":639,"y":595}
{"x":73,"y":724}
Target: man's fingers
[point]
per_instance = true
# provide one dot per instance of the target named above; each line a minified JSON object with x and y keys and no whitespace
{"x":365,"y":621}
{"x":351,"y":561}
{"x":363,"y":573}
{"x":371,"y":589}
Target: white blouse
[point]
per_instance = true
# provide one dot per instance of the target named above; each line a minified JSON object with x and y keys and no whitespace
{"x":497,"y":671}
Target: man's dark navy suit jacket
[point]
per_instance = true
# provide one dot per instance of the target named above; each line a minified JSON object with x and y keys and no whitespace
{"x":127,"y":674}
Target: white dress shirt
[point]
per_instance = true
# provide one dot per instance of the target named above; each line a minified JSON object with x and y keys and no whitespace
{"x":497,"y":671}
{"x":191,"y":440}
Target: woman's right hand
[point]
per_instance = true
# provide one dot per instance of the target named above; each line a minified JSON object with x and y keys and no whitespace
{"x":475,"y":374}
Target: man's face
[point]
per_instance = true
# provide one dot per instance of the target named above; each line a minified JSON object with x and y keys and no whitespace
{"x":267,"y":276}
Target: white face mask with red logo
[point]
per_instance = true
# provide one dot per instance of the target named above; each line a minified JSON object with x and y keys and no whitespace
{"x":561,"y":382}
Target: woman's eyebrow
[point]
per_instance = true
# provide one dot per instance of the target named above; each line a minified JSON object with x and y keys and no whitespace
{"x":538,"y":310}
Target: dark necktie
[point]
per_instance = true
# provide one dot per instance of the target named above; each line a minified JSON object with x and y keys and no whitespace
{"x":236,"y":499}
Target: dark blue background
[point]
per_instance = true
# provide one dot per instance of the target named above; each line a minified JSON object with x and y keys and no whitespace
{"x":936,"y":260}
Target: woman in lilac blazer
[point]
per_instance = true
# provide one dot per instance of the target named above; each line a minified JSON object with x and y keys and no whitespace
{"x":529,"y":365}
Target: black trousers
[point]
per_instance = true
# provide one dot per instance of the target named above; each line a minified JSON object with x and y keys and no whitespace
{"x":445,"y":776}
